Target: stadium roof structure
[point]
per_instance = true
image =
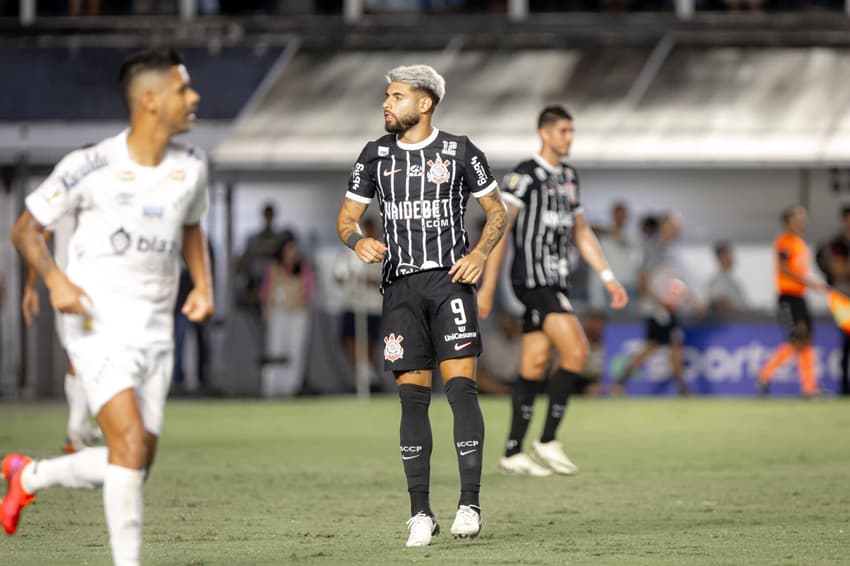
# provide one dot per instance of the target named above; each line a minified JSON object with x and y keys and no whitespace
{"x":670,"y":104}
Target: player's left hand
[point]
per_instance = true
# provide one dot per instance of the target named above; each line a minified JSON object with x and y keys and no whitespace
{"x":199,"y":305}
{"x":30,"y":306}
{"x":619,"y":297}
{"x":469,"y":268}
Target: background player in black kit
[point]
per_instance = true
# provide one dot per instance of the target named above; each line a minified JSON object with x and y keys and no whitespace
{"x":423,"y":179}
{"x":545,"y":213}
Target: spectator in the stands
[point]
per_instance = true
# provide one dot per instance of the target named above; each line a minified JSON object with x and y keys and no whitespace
{"x":260,"y":250}
{"x":725,"y":292}
{"x":287,"y":291}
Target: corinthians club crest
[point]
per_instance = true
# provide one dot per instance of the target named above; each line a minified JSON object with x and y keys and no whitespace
{"x":393,"y":350}
{"x":438,"y":173}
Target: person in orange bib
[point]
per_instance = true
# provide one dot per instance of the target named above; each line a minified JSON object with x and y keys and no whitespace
{"x":792,"y":279}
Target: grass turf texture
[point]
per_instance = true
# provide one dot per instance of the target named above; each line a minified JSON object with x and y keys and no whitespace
{"x":319,"y":481}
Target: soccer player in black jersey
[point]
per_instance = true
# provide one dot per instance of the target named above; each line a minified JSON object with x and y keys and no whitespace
{"x":545,"y":214}
{"x":423,"y":178}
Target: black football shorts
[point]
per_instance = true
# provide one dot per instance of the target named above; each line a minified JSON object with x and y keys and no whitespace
{"x":794,"y":317}
{"x":539,"y":302}
{"x":429,"y":319}
{"x":664,"y":330}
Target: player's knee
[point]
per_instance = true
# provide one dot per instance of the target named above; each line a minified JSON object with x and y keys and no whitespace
{"x":575,"y":358}
{"x":129,"y":449}
{"x":533,"y":368}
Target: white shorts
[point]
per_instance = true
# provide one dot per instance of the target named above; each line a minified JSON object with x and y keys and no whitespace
{"x":106,"y":371}
{"x":60,"y":329}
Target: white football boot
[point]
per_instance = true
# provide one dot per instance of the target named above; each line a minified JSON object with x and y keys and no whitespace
{"x":467,"y":522}
{"x":422,"y":527}
{"x":521,"y":464}
{"x":552,"y":454}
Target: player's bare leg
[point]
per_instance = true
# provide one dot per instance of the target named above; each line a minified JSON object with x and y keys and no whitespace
{"x":534,"y":358}
{"x":118,"y":467}
{"x":414,"y":391}
{"x":566,"y":334}
{"x":619,"y":388}
{"x":128,"y":443}
{"x":678,"y":367}
{"x":462,"y":393}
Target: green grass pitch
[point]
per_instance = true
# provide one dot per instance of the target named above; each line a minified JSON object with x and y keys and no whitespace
{"x":319,"y":481}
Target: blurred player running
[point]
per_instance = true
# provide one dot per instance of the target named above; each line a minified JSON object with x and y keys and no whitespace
{"x":546,"y":216}
{"x":792,"y":280}
{"x":139,"y":199}
{"x":423,"y":179}
{"x":663,"y":290}
{"x":79,"y":432}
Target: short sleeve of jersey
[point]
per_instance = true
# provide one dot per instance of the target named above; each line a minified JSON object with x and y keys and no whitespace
{"x":361,"y":182}
{"x":515,"y":187}
{"x":477,"y":176}
{"x":784,"y":248}
{"x":60,"y":193}
{"x":200,"y":197}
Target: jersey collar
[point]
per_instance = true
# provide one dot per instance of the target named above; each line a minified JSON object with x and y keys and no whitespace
{"x":546,"y":165}
{"x":424,"y":143}
{"x":124,"y":153}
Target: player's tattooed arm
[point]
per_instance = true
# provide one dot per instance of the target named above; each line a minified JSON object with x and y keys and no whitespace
{"x":28,"y":238}
{"x":494,"y":228}
{"x":30,"y":307}
{"x":348,"y":221}
{"x":368,"y":250}
{"x":487,"y":290}
{"x":469,"y":268}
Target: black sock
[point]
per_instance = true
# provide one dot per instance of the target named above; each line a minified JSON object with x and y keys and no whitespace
{"x":522,"y":400}
{"x":560,"y":387}
{"x":416,"y":443}
{"x":462,"y":393}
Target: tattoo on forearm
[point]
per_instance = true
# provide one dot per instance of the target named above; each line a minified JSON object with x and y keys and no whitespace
{"x":347,"y":227}
{"x":494,"y":227}
{"x":347,"y":223}
{"x":32,"y":246}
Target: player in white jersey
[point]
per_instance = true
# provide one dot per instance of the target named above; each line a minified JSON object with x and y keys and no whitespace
{"x":79,"y":433}
{"x":138,"y":199}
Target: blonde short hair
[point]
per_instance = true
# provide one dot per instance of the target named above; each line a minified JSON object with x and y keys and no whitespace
{"x":422,"y":77}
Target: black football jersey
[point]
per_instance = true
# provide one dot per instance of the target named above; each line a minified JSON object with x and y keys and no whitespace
{"x":422,"y":191}
{"x":547,"y":197}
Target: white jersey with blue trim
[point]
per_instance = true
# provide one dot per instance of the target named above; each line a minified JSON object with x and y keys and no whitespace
{"x":124,"y":251}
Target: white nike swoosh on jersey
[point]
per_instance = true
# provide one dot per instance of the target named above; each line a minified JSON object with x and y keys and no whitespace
{"x":462,"y":453}
{"x":387,"y":172}
{"x":462,"y":346}
{"x":410,"y":457}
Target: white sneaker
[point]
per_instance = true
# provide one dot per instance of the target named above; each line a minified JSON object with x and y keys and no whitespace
{"x":467,"y":522}
{"x":422,"y":527}
{"x":552,"y":454}
{"x":522,"y":465}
